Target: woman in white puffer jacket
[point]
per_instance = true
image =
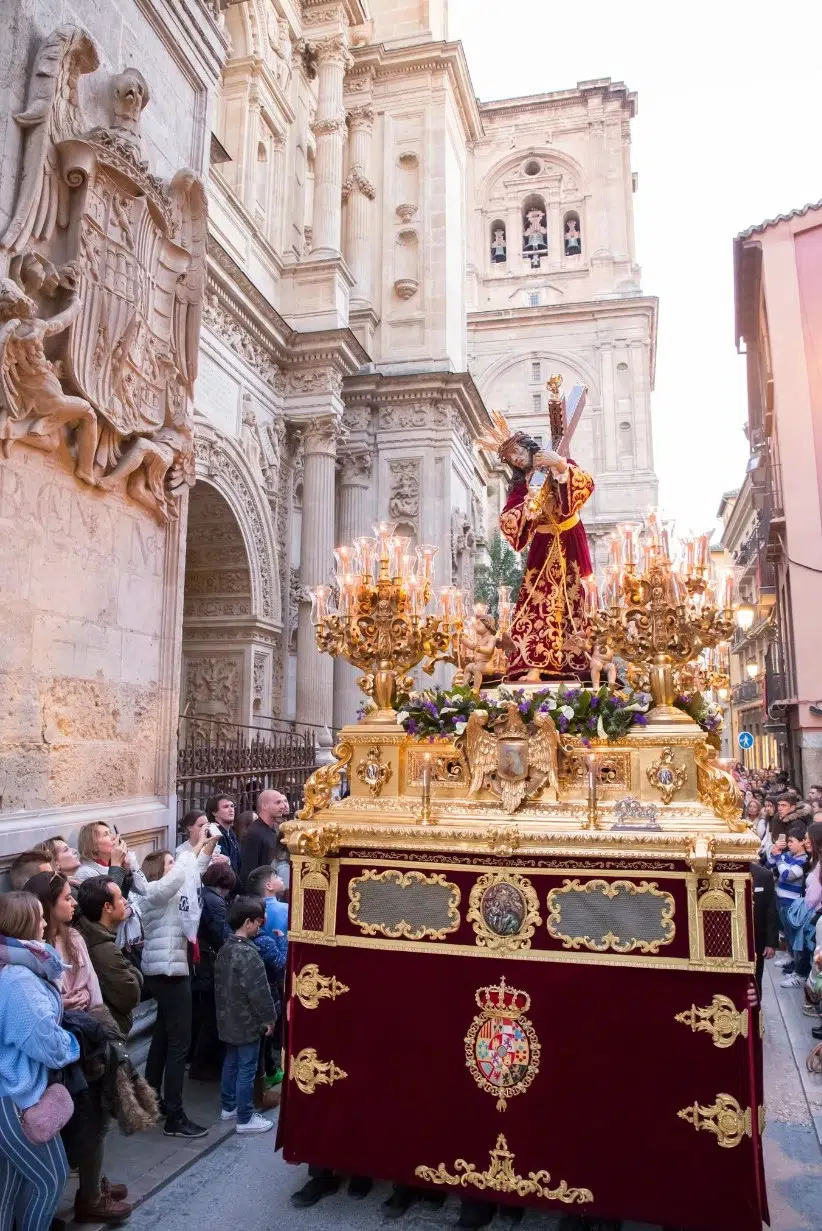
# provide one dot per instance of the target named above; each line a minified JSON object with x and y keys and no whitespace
{"x":166,"y":975}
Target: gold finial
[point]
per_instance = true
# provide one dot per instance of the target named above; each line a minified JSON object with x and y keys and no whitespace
{"x":554,"y":386}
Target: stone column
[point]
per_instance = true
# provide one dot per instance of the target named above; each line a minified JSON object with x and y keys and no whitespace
{"x":358,"y":191}
{"x":315,"y":671}
{"x":355,"y":518}
{"x":329,"y":128}
{"x":609,"y":410}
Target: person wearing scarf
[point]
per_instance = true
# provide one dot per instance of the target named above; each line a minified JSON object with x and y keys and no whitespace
{"x":32,"y":1042}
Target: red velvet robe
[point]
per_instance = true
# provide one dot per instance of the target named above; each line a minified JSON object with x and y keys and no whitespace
{"x":551,"y":603}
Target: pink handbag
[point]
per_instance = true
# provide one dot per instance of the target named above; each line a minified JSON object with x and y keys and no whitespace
{"x":48,"y":1115}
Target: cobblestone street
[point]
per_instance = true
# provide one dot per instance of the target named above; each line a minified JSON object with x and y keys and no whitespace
{"x":245,"y":1184}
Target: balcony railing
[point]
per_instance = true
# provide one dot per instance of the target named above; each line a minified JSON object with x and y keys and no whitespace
{"x":748,"y":690}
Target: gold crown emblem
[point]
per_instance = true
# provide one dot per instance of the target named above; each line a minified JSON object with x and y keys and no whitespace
{"x":502,"y":1001}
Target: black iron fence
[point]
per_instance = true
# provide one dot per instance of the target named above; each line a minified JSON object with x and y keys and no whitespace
{"x":215,"y":756}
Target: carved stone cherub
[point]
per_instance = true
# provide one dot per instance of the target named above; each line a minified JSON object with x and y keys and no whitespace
{"x":166,"y":456}
{"x":33,"y":404}
{"x":481,"y":646}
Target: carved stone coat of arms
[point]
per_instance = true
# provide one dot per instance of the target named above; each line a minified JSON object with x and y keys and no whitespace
{"x":109,"y":260}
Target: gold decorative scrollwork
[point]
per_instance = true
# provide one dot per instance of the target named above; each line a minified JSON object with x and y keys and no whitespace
{"x":372,"y":771}
{"x":717,"y":789}
{"x":310,"y":987}
{"x":666,"y":776}
{"x":319,"y":841}
{"x":503,"y":840}
{"x":322,"y":782}
{"x":309,"y":1072}
{"x":504,"y":909}
{"x":446,"y":762}
{"x":725,"y":1118}
{"x":403,"y":881}
{"x":500,"y":1177}
{"x":611,"y":889}
{"x":721,"y":1019}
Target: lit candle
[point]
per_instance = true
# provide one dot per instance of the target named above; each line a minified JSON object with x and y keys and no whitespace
{"x":591,"y":765}
{"x":591,"y":595}
{"x":342,"y":557}
{"x":425,"y":555}
{"x":628,"y":533}
{"x":459,"y":606}
{"x":666,"y":543}
{"x":425,"y":815}
{"x":688,"y":544}
{"x":319,"y":604}
{"x":446,"y":598}
{"x":614,"y":552}
{"x":366,"y":551}
{"x":703,"y":551}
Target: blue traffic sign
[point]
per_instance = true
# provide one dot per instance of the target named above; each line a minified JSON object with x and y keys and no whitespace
{"x":745,"y":740}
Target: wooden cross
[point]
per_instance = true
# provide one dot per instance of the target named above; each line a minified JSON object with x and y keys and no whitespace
{"x":564,"y":413}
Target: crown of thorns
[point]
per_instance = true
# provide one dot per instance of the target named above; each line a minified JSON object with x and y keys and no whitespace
{"x":501,"y":435}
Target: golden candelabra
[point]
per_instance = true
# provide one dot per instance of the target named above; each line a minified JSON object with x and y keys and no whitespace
{"x":375,"y":614}
{"x":658,"y":614}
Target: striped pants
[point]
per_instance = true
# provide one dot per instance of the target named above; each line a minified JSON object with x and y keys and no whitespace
{"x":31,"y":1177}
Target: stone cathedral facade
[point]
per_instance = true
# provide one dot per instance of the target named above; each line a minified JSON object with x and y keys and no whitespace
{"x":266,"y":266}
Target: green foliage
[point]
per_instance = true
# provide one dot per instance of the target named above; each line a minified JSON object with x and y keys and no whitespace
{"x":504,"y":568}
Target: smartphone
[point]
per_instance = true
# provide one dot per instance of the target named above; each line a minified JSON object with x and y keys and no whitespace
{"x":213,"y":830}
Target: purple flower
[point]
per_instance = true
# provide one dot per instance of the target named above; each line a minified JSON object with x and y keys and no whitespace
{"x":618,"y":703}
{"x":562,"y":723}
{"x":571,"y":697}
{"x":591,"y":724}
{"x":430,"y":708}
{"x":641,"y":720}
{"x":594,"y":703}
{"x":523,"y":707}
{"x":411,"y":727}
{"x":683,"y":699}
{"x":586,"y":743}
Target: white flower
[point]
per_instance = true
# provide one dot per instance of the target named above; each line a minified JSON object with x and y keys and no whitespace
{"x":601,"y":732}
{"x":460,"y":726}
{"x":402,"y":717}
{"x":567,"y":710}
{"x":448,"y":709}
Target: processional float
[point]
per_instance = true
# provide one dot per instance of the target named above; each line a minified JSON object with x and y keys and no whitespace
{"x":520,"y":951}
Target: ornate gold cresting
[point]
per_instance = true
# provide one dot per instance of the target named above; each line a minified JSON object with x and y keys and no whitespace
{"x":379,"y":623}
{"x":500,"y":1177}
{"x":717,"y":789}
{"x":725,"y":1118}
{"x":657,"y":615}
{"x":309,"y":1072}
{"x":319,"y":787}
{"x":721,"y":1019}
{"x":665,"y":775}
{"x":310,"y":987}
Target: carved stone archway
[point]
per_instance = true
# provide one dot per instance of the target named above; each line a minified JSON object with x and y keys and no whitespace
{"x":222,"y":464}
{"x":232,"y":621}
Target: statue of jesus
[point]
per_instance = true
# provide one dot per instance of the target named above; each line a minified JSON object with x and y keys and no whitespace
{"x":549,"y":621}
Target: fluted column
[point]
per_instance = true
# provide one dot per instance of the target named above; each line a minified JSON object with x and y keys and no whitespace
{"x":358,"y":191}
{"x":329,"y":128}
{"x":315,"y":671}
{"x":355,"y":517}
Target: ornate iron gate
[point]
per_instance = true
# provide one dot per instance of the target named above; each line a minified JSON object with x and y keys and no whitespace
{"x":215,"y":756}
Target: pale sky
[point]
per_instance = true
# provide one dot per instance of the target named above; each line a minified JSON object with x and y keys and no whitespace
{"x":729,"y":133}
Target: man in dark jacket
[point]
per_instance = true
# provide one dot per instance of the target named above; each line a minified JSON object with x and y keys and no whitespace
{"x":245,"y":1011}
{"x":103,"y":909}
{"x":261,"y":844}
{"x":790,"y":810}
{"x":766,"y":918}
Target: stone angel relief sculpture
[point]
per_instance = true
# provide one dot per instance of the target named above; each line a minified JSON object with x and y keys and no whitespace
{"x":511,"y":762}
{"x":122,"y":366}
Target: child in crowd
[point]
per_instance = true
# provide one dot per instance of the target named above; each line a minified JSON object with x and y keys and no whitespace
{"x":788,"y":856}
{"x":245,"y":1012}
{"x":266,"y":884}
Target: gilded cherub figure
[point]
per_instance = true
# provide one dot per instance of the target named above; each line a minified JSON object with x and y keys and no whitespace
{"x":481,"y":645}
{"x":33,"y":404}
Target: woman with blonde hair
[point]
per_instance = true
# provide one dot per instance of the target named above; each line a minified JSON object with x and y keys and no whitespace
{"x":165,"y":968}
{"x":32,"y":1043}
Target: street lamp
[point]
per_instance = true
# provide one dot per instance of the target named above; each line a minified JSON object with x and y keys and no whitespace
{"x":744,"y":617}
{"x":752,"y":669}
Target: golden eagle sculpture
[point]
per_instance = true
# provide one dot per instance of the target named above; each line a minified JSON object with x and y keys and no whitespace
{"x":512,"y":763}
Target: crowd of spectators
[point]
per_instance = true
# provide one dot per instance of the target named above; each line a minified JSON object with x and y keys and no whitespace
{"x":787,"y":885}
{"x":85,"y":935}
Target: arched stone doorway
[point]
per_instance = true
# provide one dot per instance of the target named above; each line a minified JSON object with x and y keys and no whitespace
{"x":228,"y":650}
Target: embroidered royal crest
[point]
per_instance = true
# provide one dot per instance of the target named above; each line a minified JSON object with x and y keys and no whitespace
{"x":501,"y":1047}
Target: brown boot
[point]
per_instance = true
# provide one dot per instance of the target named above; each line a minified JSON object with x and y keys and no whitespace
{"x":118,"y":1191}
{"x":105,"y":1210}
{"x":271,"y":1099}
